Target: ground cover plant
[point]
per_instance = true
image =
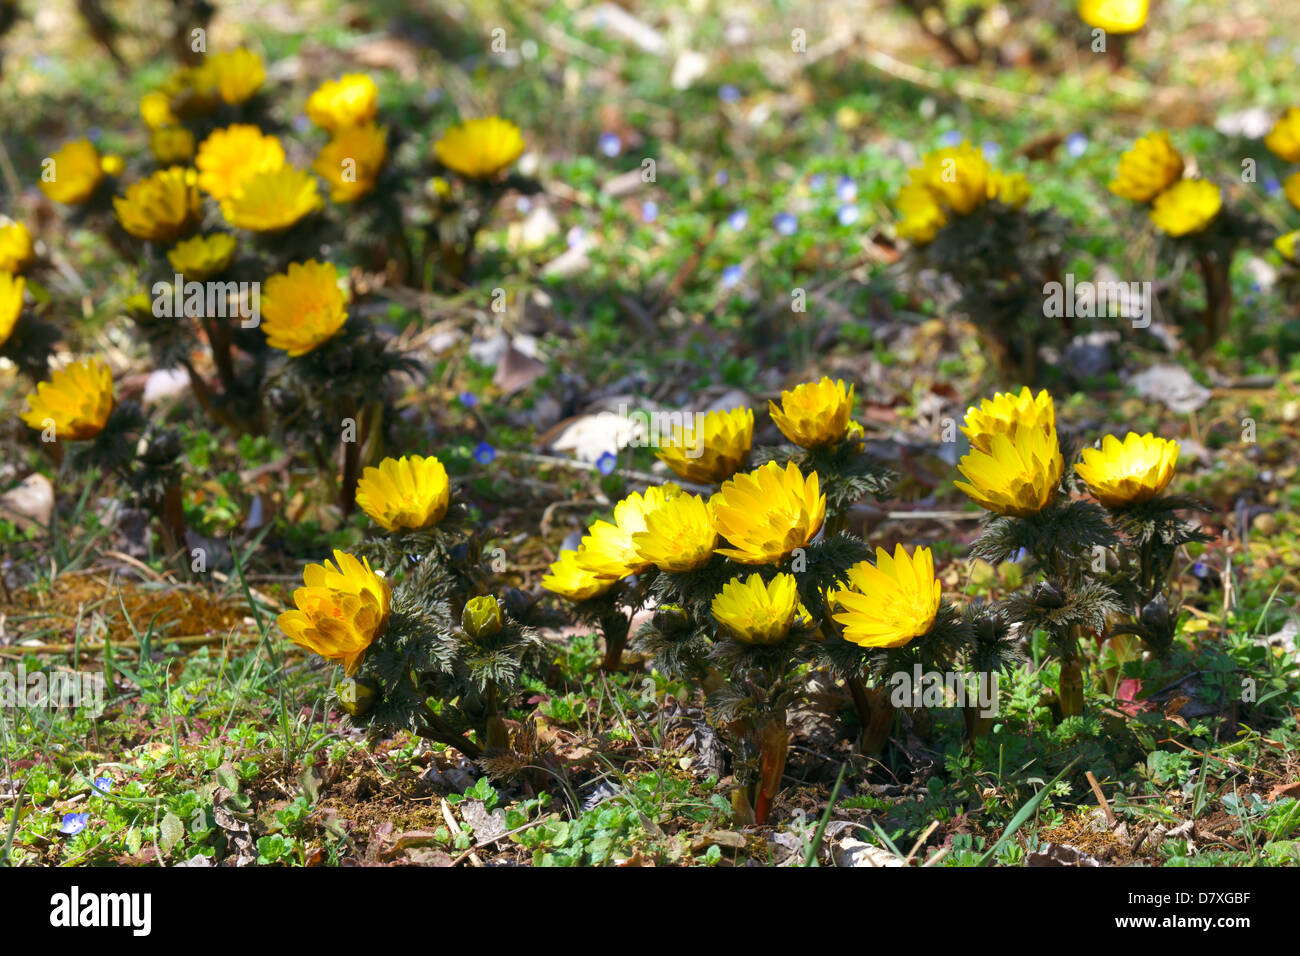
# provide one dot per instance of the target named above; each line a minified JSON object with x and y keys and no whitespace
{"x":599,"y":434}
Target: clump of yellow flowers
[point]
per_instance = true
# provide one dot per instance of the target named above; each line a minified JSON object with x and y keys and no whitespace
{"x":953,"y":181}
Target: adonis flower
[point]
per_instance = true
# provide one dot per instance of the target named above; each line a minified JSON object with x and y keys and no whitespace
{"x":341,"y":611}
{"x":480,"y":148}
{"x":348,"y":101}
{"x":1187,"y":206}
{"x":406,"y":492}
{"x":1284,"y":138}
{"x":75,"y":172}
{"x":160,"y":207}
{"x":1286,"y":244}
{"x":608,"y":549}
{"x":570,"y":580}
{"x":957,"y":177}
{"x":303,"y":307}
{"x":272,"y":201}
{"x":720,"y":446}
{"x":231,"y":156}
{"x":815,"y":413}
{"x":755,"y":612}
{"x":352,"y":160}
{"x":1128,"y":472}
{"x":1001,"y":414}
{"x":766,"y":513}
{"x":11,"y":304}
{"x":1010,"y":189}
{"x":1114,"y":16}
{"x":237,"y":74}
{"x":1150,"y":167}
{"x":156,"y":110}
{"x":201,"y":257}
{"x":76,"y":401}
{"x":1291,"y":186}
{"x":16,"y":249}
{"x":1020,"y":473}
{"x":679,"y":535}
{"x":891,"y":602}
{"x":171,"y":145}
{"x":923,"y":217}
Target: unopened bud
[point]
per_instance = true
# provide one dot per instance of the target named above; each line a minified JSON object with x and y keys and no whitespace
{"x":481,"y":617}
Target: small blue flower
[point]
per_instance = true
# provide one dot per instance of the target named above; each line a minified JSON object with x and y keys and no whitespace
{"x":728,"y":93}
{"x":524,"y":205}
{"x":816,"y":181}
{"x":1200,"y":570}
{"x":1076,"y":144}
{"x":94,"y":133}
{"x":606,"y":463}
{"x":738,"y":220}
{"x":720,"y":178}
{"x":847,"y":215}
{"x":1272,"y":186}
{"x":104,"y":783}
{"x":610,"y":145}
{"x":731,"y":275}
{"x":73,"y":823}
{"x":846,"y":189}
{"x":951,"y":138}
{"x":649,"y":210}
{"x":301,"y":123}
{"x":1020,"y":555}
{"x":991,"y":149}
{"x":785,"y":223}
{"x":484,"y":453}
{"x":575,"y":236}
{"x":468,"y":399}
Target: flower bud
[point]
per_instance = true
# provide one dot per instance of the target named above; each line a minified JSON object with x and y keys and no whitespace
{"x":1155,"y":616}
{"x":481,"y":617}
{"x":356,"y":697}
{"x":1048,"y":596}
{"x":671,"y":619}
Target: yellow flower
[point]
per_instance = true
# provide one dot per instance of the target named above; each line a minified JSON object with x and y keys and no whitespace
{"x":1114,"y":16}
{"x":156,"y":109}
{"x":352,"y":161}
{"x":237,"y":74}
{"x":273,"y":201}
{"x":1286,"y":244}
{"x":160,"y":207}
{"x":1128,"y":472}
{"x":341,"y":611}
{"x":766,"y":513}
{"x":1010,"y":189}
{"x":957,"y":176}
{"x":1284,"y":138}
{"x":891,"y":602}
{"x":72,"y":174}
{"x":570,"y":580}
{"x":1291,"y":186}
{"x":172,"y":144}
{"x":302,"y":307}
{"x":348,"y":101}
{"x":16,"y":250}
{"x":76,"y":401}
{"x":1001,"y":414}
{"x":202,"y":256}
{"x":406,"y":492}
{"x":1187,"y":206}
{"x":815,"y":413}
{"x":1150,"y":167}
{"x":480,"y":148}
{"x":192,"y":90}
{"x":1018,"y":475}
{"x":922,"y":215}
{"x":11,"y":304}
{"x":231,"y":156}
{"x":755,"y":612}
{"x":679,"y":536}
{"x":608,"y":549}
{"x":720,"y":447}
